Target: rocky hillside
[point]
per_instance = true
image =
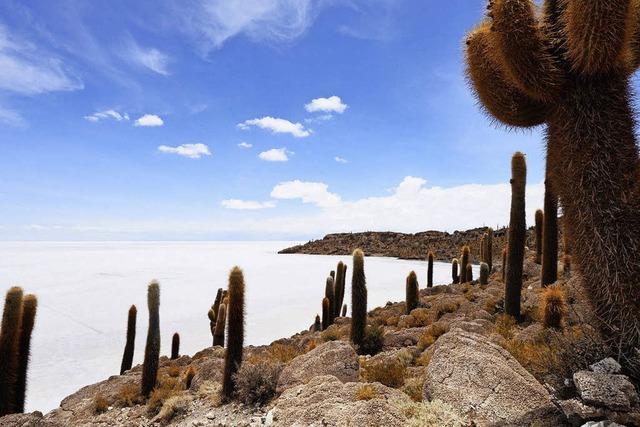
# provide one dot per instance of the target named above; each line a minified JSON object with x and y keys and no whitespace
{"x":456,"y":360}
{"x":445,"y":246}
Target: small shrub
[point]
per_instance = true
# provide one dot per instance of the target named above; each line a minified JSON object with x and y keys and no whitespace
{"x":100,"y":404}
{"x":424,"y":359}
{"x":212,"y":391}
{"x":162,"y":392}
{"x":490,"y":305}
{"x":283,"y":353}
{"x":331,"y":334}
{"x":173,"y":406}
{"x":433,"y":414}
{"x":390,"y":372}
{"x":421,"y":317}
{"x":128,"y":395}
{"x":431,"y":334}
{"x":413,"y":388}
{"x":505,"y":325}
{"x":392,"y":320}
{"x":366,"y":392}
{"x":446,"y":307}
{"x":373,"y":341}
{"x":256,"y":384}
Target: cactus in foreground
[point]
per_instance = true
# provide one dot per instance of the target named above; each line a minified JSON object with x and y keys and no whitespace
{"x":569,"y":67}
{"x":463,"y":264}
{"x":326,"y":306}
{"x":484,"y":273}
{"x":127,"y":356}
{"x":152,"y":349}
{"x":554,"y":307}
{"x":341,"y":271}
{"x":412,"y":292}
{"x":218,"y":333}
{"x":29,"y":308}
{"x":9,"y":340}
{"x":344,"y":310}
{"x":235,"y":335}
{"x":175,"y":346}
{"x":455,"y":277}
{"x":539,"y":221}
{"x":330,"y":294}
{"x":550,"y":236}
{"x":430,"y":270}
{"x":517,"y":236}
{"x":358,"y":299}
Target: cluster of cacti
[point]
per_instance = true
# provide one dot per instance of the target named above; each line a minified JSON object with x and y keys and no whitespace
{"x":465,"y":261}
{"x":484,"y":273}
{"x":570,"y":67}
{"x":152,"y":348}
{"x":358,"y":299}
{"x":430,"y":270}
{"x":554,"y":307}
{"x":127,"y":356}
{"x":539,"y":219}
{"x":549,"y":235}
{"x":235,"y":336}
{"x":455,"y":277}
{"x":412,"y":292}
{"x":175,"y":346}
{"x":517,"y":236}
{"x":18,"y":319}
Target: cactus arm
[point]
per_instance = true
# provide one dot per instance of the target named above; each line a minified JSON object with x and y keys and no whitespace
{"x":522,"y":50}
{"x":501,"y":99}
{"x":598,"y":32}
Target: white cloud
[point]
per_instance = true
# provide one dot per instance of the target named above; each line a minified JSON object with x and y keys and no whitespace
{"x":149,"y":120}
{"x":192,"y":151}
{"x":319,"y":119}
{"x":316,"y":193}
{"x":245,"y":145}
{"x":277,"y":125}
{"x":150,"y":57}
{"x":215,"y":21}
{"x":29,"y":71}
{"x":333,"y":104}
{"x":250,"y":205}
{"x":11,"y":117}
{"x":275,"y":155}
{"x":101,"y":115}
{"x":340,"y":159}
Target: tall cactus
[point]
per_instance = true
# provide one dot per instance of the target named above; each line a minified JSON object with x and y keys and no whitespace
{"x":550,"y":236}
{"x":488,"y":250}
{"x":9,"y":340}
{"x":221,"y":321}
{"x":358,"y":299}
{"x":484,"y":273}
{"x":326,"y":317}
{"x":29,"y":308}
{"x":517,"y":236}
{"x":341,"y":271}
{"x":235,"y":336}
{"x":570,"y":69}
{"x":412,"y":292}
{"x":129,"y":347}
{"x":469,"y":275}
{"x":430,"y":270}
{"x":175,"y":346}
{"x":455,"y":277}
{"x":504,"y":263}
{"x":330,"y":294}
{"x":538,"y":229}
{"x":464,"y":263}
{"x":317,"y":324}
{"x":344,"y":310}
{"x":152,"y":349}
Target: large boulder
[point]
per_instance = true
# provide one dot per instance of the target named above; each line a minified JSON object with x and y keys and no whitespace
{"x":335,"y":358}
{"x":610,"y":391}
{"x":483,"y":380}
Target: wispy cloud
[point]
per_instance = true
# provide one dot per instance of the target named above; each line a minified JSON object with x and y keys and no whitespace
{"x":319,"y":119}
{"x":192,"y":151}
{"x":275,"y":155}
{"x":149,"y":120}
{"x":11,"y":117}
{"x":316,"y":193}
{"x":27,"y":70}
{"x":107,"y":114}
{"x":148,"y":57}
{"x":247,"y":205}
{"x":245,"y":145}
{"x":340,"y":159}
{"x":277,"y":125}
{"x":333,"y":104}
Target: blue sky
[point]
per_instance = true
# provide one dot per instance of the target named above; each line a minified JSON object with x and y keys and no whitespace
{"x":123,"y":120}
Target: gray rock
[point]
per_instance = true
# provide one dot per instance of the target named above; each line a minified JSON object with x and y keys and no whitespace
{"x":578,"y":413}
{"x":606,"y":366}
{"x":610,"y":391}
{"x":481,"y":379}
{"x":335,"y":358}
{"x":602,"y":424}
{"x":402,"y":338}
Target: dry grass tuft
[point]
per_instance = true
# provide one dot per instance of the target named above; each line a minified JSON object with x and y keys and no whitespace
{"x":100,"y":404}
{"x":173,"y":406}
{"x":330,"y":334}
{"x":283,"y":353}
{"x":167,"y":388}
{"x":413,"y":388}
{"x":390,"y":372}
{"x":505,"y":325}
{"x":173,"y":371}
{"x":128,"y":395}
{"x":366,"y":392}
{"x":424,"y":358}
{"x":431,"y":334}
{"x":433,"y":414}
{"x":256,"y":384}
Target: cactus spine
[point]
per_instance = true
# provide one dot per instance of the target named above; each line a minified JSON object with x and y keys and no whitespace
{"x":9,"y":337}
{"x":326,"y":307}
{"x":152,"y":349}
{"x":484,"y":273}
{"x":235,"y":339}
{"x":29,"y":308}
{"x":330,"y":294}
{"x":358,"y":299}
{"x":175,"y":346}
{"x":550,"y":236}
{"x":339,"y":286}
{"x":127,"y":356}
{"x":218,"y":333}
{"x":517,"y":236}
{"x":455,"y":277}
{"x":463,"y":266}
{"x":430,"y":270}
{"x":539,"y":221}
{"x":412,"y":292}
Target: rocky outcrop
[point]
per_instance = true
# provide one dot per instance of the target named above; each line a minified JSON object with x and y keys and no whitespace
{"x":607,"y":390}
{"x":336,"y":358}
{"x":483,"y":380}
